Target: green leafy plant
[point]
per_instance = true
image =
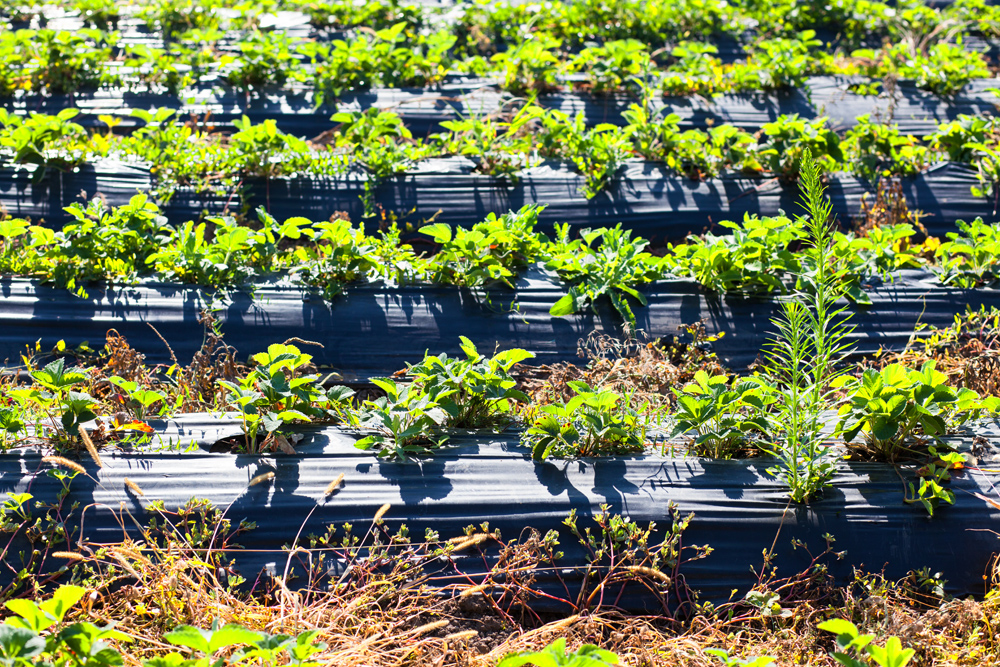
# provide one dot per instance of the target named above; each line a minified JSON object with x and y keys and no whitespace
{"x":380,"y":143}
{"x":696,"y":70}
{"x":475,"y":392}
{"x":858,"y":650}
{"x":721,"y":417}
{"x":597,"y":152}
{"x":779,"y":63}
{"x":873,"y":149}
{"x":38,"y":634}
{"x":273,"y":394}
{"x":595,"y":422}
{"x":529,"y":66}
{"x":612,"y":269}
{"x":47,"y":142}
{"x":889,"y":406}
{"x":555,"y":655}
{"x":139,"y":401}
{"x":66,"y":408}
{"x":493,"y":251}
{"x":406,"y":421}
{"x":612,"y":65}
{"x":341,"y":255}
{"x":789,"y":137}
{"x":265,"y":60}
{"x":754,"y":257}
{"x":971,"y":257}
{"x":937,"y":472}
{"x":499,"y":147}
{"x":379,"y":57}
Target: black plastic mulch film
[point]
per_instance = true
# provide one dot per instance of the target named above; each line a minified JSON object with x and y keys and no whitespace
{"x":423,"y":110}
{"x":372,"y":331}
{"x":647,"y":197}
{"x":739,"y":510}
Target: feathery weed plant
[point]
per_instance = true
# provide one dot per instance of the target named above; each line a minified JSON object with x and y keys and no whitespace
{"x":802,"y":359}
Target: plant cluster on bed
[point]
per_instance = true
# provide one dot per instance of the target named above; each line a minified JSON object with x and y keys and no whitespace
{"x":376,"y":145}
{"x":524,"y":47}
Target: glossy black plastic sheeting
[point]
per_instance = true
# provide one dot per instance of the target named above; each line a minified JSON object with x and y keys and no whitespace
{"x":913,"y":110}
{"x":739,"y":509}
{"x":646,"y":197}
{"x":374,"y":331}
{"x":43,"y":201}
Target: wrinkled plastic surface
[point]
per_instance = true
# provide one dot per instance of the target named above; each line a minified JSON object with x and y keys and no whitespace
{"x":739,"y":509}
{"x":423,"y":110}
{"x":372,"y":331}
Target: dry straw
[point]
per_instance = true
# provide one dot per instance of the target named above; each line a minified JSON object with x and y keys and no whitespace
{"x":472,"y":590}
{"x":650,"y":572}
{"x":381,"y":512}
{"x":471,"y":542}
{"x":89,"y":444}
{"x":135,"y":487}
{"x":66,"y":463}
{"x":332,"y":486}
{"x":460,"y":636}
{"x":68,"y":555}
{"x":263,"y":477}
{"x":429,"y":627}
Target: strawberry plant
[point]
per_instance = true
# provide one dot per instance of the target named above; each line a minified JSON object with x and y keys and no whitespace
{"x":696,"y":70}
{"x":597,"y":152}
{"x":265,"y":60}
{"x":888,"y":407}
{"x":500,"y":148}
{"x":66,"y":62}
{"x":722,"y":417}
{"x":48,"y":142}
{"x":65,"y":408}
{"x":475,"y":392}
{"x":378,"y":15}
{"x":875,"y":149}
{"x":529,"y":67}
{"x":971,"y":257}
{"x":611,"y":66}
{"x":494,"y":250}
{"x":779,"y":63}
{"x":274,"y":393}
{"x":175,"y":17}
{"x":405,"y":421}
{"x":380,"y":143}
{"x":556,"y":655}
{"x":789,"y":138}
{"x":754,"y":257}
{"x":104,"y":244}
{"x":613,"y":269}
{"x":858,"y":650}
{"x":594,"y":422}
{"x":944,"y":68}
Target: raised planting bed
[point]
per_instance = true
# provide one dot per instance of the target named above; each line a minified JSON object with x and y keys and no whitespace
{"x":739,"y":510}
{"x":423,"y":110}
{"x":646,"y":197}
{"x":373,"y":331}
{"x":43,"y":200}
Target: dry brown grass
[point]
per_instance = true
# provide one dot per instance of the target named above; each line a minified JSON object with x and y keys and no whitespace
{"x":646,"y":369}
{"x":396,"y":608}
{"x":384,"y":623}
{"x":968,"y":352}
